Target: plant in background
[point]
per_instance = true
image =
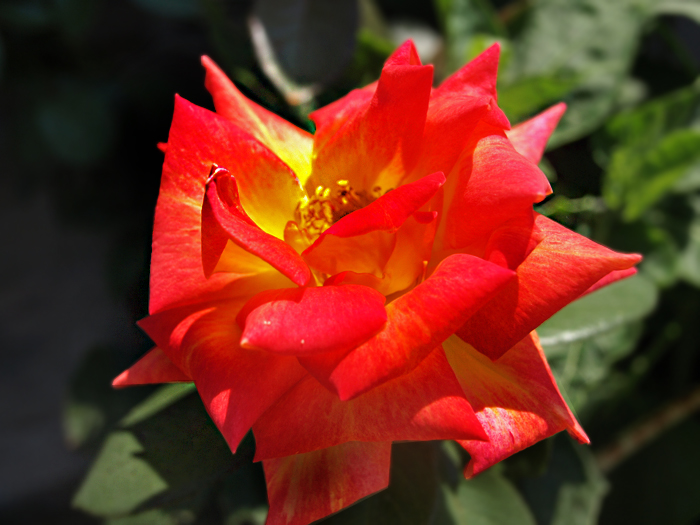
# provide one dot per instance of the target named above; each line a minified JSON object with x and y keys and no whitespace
{"x":379,"y":281}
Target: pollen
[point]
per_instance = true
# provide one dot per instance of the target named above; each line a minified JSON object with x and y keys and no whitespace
{"x":327,"y":205}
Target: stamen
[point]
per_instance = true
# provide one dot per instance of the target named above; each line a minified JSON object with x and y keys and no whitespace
{"x":317,"y":213}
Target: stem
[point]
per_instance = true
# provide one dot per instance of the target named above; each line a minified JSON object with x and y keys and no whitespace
{"x":643,"y":433}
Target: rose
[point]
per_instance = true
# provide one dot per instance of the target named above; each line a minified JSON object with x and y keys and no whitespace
{"x":380,"y":281}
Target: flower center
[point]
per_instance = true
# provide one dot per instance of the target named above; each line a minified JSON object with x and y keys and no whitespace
{"x":328,"y":205}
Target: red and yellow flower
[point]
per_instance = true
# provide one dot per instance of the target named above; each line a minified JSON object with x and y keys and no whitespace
{"x":378,"y":281}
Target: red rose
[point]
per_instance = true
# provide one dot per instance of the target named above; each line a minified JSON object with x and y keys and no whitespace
{"x":378,"y":281}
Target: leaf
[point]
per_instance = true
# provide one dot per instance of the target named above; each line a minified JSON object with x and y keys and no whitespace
{"x":91,"y":405}
{"x":413,"y":496}
{"x":171,"y":457}
{"x":655,"y":152}
{"x":687,"y":8}
{"x":619,"y":303}
{"x":651,"y":174}
{"x":464,"y":21}
{"x":571,"y":491}
{"x":593,"y":41}
{"x":487,"y":499}
{"x":313,"y":40}
{"x":162,"y":398}
{"x":689,"y":261}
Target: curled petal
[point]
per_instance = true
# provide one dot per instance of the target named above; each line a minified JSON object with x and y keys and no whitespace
{"x":477,"y":78}
{"x":154,"y":367}
{"x":515,"y":398}
{"x":612,"y":277}
{"x":289,"y":143}
{"x":417,"y":323}
{"x":560,"y":269}
{"x":269,"y":192}
{"x":529,"y":138}
{"x":236,"y":385}
{"x":491,"y":184}
{"x":222,"y":213}
{"x":425,"y":404}
{"x":306,"y":487}
{"x":361,"y":241}
{"x":387,"y":129}
{"x":305,"y":321}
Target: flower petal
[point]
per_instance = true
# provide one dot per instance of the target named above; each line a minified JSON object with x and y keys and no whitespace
{"x":222,"y":212}
{"x":269,"y":191}
{"x":306,"y":487}
{"x":529,"y":138}
{"x":357,"y":242}
{"x":425,"y":404}
{"x":236,"y":385}
{"x":515,"y":398}
{"x":304,"y":321}
{"x":611,"y":278}
{"x":154,"y":367}
{"x":560,"y":268}
{"x":489,"y":186}
{"x":477,"y":78}
{"x":284,"y":139}
{"x":417,"y":323}
{"x":381,"y":141}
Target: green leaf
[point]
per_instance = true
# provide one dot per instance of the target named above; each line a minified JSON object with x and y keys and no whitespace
{"x":487,"y":499}
{"x":162,"y":398}
{"x":462,"y":22}
{"x":119,"y":480}
{"x":622,"y":302}
{"x":159,"y":461}
{"x":647,"y":176}
{"x":91,"y":405}
{"x":313,"y":40}
{"x":592,"y":41}
{"x":689,"y":261}
{"x":687,"y":8}
{"x":655,"y":152}
{"x":413,"y":496}
{"x":571,"y":491}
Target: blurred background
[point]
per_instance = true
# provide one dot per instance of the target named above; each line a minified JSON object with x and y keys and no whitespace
{"x":86,"y":93}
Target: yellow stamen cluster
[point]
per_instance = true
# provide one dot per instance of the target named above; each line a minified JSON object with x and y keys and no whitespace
{"x":326,"y":206}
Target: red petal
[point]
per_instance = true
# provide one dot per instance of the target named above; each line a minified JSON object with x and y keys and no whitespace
{"x":303,"y":321}
{"x":611,"y":278}
{"x":477,"y":79}
{"x":510,"y":244}
{"x":425,"y":404}
{"x":284,"y":139}
{"x":329,"y":119}
{"x":387,"y":129}
{"x":530,"y":137}
{"x":236,"y":385}
{"x":154,"y":367}
{"x":515,"y":398}
{"x":561,"y":268}
{"x":307,"y":487}
{"x":357,"y":242}
{"x":222,"y":211}
{"x":269,"y":192}
{"x":417,"y":322}
{"x":489,"y":186}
